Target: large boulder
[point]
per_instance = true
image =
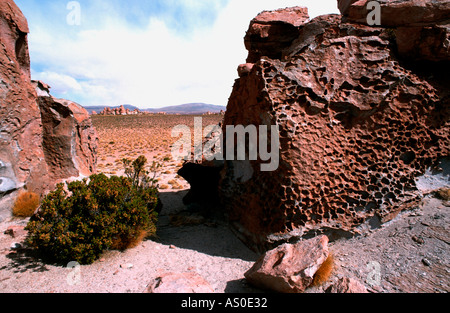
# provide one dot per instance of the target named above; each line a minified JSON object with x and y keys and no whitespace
{"x":395,"y":13}
{"x":28,"y":121}
{"x":21,"y":151}
{"x":421,"y":28}
{"x":356,"y":128}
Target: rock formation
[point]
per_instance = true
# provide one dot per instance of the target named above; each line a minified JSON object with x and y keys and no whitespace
{"x":21,"y":153}
{"x":357,"y":124}
{"x":421,"y":28}
{"x":70,"y":140}
{"x":289,"y":268}
{"x":119,"y":111}
{"x":25,"y":145}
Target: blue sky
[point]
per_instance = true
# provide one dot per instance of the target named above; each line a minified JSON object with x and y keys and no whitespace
{"x":150,"y":53}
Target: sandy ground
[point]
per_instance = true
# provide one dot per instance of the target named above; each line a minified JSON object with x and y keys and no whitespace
{"x":210,"y":250}
{"x":409,"y":254}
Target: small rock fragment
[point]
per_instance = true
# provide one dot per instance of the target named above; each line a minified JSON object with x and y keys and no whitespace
{"x":426,"y":262}
{"x":347,"y":285}
{"x":289,"y":268}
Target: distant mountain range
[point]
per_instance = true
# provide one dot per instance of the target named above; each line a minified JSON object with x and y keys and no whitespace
{"x":188,"y":108}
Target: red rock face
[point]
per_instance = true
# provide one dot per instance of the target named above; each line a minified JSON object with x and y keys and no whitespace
{"x":20,"y":124}
{"x":35,"y":133}
{"x":272,"y":31}
{"x":70,"y":140}
{"x":421,"y":28}
{"x":356,"y":129}
{"x":396,"y":13}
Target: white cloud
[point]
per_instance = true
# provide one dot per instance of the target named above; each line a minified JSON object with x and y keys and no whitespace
{"x":153,"y":66}
{"x":60,"y":83}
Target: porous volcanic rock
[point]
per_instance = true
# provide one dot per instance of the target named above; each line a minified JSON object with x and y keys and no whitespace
{"x":357,"y":125}
{"x":395,"y":13}
{"x":272,"y":30}
{"x":289,"y":268}
{"x":421,"y":28}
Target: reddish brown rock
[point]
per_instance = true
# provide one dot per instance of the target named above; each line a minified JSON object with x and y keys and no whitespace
{"x":289,"y":268}
{"x":347,"y":285}
{"x":431,"y":43}
{"x":20,"y":125}
{"x":395,"y":13}
{"x":344,"y":5}
{"x":272,"y":30}
{"x":245,"y":69}
{"x":356,"y":128}
{"x":421,"y":28}
{"x":24,"y":144}
{"x":180,"y":283}
{"x":70,"y":140}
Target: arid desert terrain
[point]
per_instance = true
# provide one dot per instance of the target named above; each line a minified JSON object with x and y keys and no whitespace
{"x":409,"y":254}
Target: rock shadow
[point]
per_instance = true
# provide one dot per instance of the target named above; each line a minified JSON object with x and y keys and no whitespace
{"x":188,"y":227}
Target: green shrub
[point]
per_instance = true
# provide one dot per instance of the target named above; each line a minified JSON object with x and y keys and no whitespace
{"x":96,"y":215}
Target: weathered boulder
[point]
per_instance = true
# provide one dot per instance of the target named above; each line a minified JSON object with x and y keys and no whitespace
{"x":289,"y":268}
{"x":420,"y":43}
{"x":395,"y":13}
{"x":356,"y":128}
{"x":421,"y":28}
{"x":70,"y":140}
{"x":180,"y":283}
{"x":26,"y":158}
{"x":272,"y":30}
{"x":20,"y":123}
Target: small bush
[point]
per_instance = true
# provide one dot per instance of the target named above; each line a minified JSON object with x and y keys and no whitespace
{"x":26,"y":204}
{"x":104,"y":213}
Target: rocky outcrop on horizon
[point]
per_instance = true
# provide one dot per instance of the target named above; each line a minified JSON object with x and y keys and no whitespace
{"x":119,"y":111}
{"x":37,"y":132}
{"x":358,"y":121}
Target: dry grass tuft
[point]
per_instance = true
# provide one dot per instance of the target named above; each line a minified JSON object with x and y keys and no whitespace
{"x":26,"y":204}
{"x":444,"y":194}
{"x":324,"y":272}
{"x":129,"y":242}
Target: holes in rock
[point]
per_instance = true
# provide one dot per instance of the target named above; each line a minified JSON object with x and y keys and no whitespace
{"x":280,"y":258}
{"x":408,"y":157}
